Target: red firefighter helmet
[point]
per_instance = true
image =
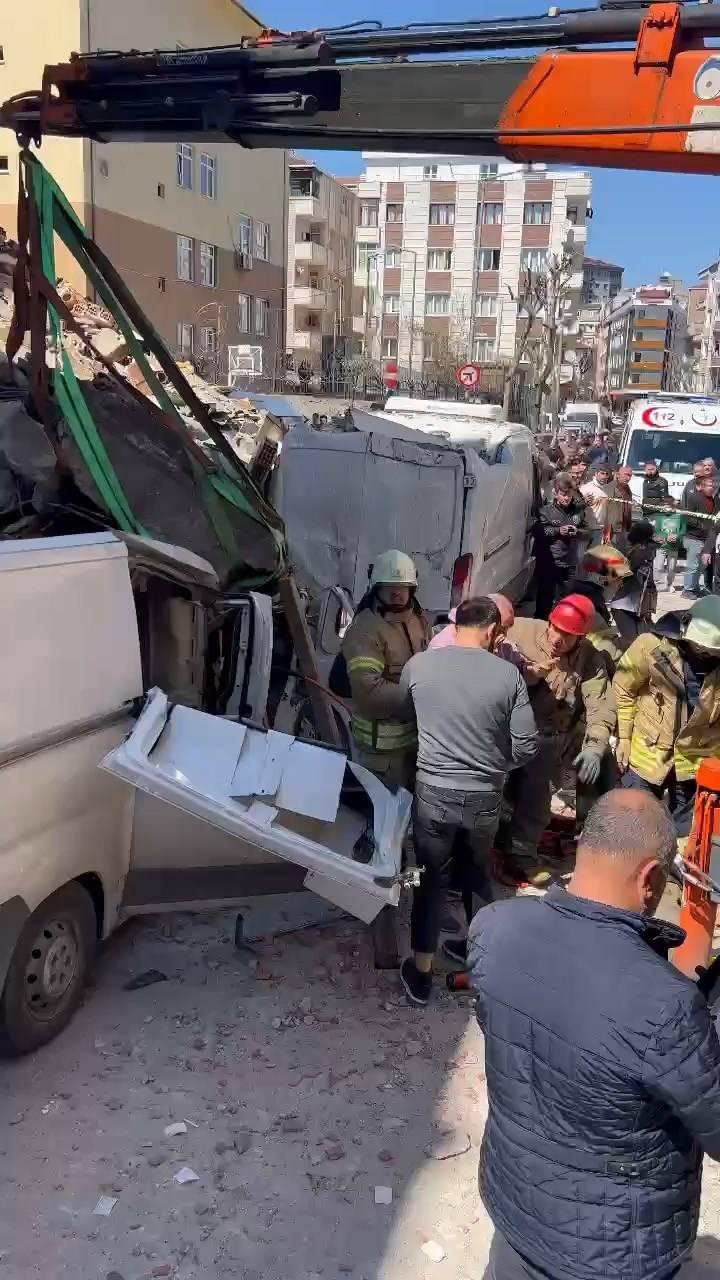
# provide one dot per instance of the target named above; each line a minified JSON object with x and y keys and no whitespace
{"x":574,"y":614}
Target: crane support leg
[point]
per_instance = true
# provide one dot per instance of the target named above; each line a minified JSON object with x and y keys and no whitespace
{"x":699,"y":911}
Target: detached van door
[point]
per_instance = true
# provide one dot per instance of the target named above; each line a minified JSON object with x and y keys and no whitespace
{"x":225,"y":810}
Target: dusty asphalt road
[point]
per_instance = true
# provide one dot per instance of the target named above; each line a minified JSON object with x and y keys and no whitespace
{"x":304,"y":1086}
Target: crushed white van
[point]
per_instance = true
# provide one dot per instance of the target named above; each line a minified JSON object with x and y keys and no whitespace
{"x":121,"y":794}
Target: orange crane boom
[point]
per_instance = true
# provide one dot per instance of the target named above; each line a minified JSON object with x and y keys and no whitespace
{"x":649,"y":101}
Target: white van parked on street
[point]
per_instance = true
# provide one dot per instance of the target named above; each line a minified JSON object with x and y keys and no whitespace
{"x":674,"y":432}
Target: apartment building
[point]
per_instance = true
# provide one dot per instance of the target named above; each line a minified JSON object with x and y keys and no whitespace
{"x":440,"y":246}
{"x":648,"y":349}
{"x":602,"y":281}
{"x":704,"y":317}
{"x":320,"y":243}
{"x":196,"y":230}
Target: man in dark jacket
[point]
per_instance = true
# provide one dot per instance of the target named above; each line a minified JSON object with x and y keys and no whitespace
{"x":655,"y":487}
{"x":699,"y":537}
{"x":562,"y":534}
{"x":602,"y":1063}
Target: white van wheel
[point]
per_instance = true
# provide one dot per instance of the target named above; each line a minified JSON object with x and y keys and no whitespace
{"x":48,"y":970}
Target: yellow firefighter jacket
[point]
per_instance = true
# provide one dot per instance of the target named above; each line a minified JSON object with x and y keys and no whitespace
{"x":376,"y":647}
{"x":569,"y":689}
{"x":653,"y":713}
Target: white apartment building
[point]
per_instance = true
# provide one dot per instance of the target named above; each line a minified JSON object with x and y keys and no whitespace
{"x":707,"y":315}
{"x":440,"y":245}
{"x":321,"y":228}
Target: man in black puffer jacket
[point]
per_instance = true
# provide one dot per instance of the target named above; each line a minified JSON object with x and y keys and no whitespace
{"x":602,"y":1062}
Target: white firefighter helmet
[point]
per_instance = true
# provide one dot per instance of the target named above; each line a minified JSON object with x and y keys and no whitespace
{"x":604,"y":565}
{"x":393,"y":569}
{"x":703,"y":626}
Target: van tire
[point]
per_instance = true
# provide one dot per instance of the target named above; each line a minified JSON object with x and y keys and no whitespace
{"x":48,"y":971}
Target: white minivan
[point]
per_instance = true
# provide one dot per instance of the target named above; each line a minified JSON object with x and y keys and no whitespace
{"x":673,"y":432}
{"x":121,"y":794}
{"x":452,"y":484}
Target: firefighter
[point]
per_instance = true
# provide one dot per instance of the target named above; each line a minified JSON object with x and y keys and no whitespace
{"x":571,"y":696}
{"x":388,"y":628}
{"x":667,"y":691}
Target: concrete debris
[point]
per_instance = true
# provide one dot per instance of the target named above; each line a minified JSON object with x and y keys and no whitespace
{"x":105,"y":1206}
{"x":434,"y":1251}
{"x":186,"y":1175}
{"x":383,"y":1195}
{"x":176,"y":1129}
{"x":447,"y":1145}
{"x":146,"y":979}
{"x":110,"y":344}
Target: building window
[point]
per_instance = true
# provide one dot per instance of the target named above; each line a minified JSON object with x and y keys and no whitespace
{"x":262,"y":317}
{"x":390,"y":348}
{"x":244,"y":312}
{"x":393,"y":213}
{"x":161,"y":190}
{"x":439,"y":259}
{"x":637,"y":357}
{"x":185,"y":165}
{"x":185,"y":338}
{"x":4,"y":164}
{"x":161,"y":284}
{"x":368,"y":215}
{"x":392,"y":256}
{"x":486,"y":305}
{"x":185,"y":258}
{"x":437,"y":304}
{"x":209,"y":340}
{"x":363,"y":253}
{"x":262,"y":241}
{"x":207,"y":175}
{"x":244,"y":234}
{"x":488,"y":260}
{"x":573,"y":214}
{"x":483,"y":350}
{"x":2,"y":54}
{"x":537,"y":213}
{"x":208,"y":265}
{"x":533,"y":260}
{"x":391,"y":304}
{"x":492,"y":212}
{"x":442,"y":215}
{"x":430,"y":171}
{"x":488,"y":170}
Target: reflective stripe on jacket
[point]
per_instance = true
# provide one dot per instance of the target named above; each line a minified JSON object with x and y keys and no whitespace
{"x":376,"y":647}
{"x":653,"y":713}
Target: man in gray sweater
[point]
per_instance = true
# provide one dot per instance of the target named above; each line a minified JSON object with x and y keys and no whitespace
{"x":475,"y":724}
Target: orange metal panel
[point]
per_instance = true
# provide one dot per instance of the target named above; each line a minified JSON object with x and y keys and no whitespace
{"x":594,"y":107}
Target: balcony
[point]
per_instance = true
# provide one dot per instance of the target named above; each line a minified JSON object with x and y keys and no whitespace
{"x":311,"y":251}
{"x":307,"y":206}
{"x":306,"y":296}
{"x":575,"y":233}
{"x":307,"y":340}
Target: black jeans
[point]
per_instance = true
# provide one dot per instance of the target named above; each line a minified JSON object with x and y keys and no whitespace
{"x":505,"y":1263}
{"x":680,"y":796}
{"x":449,"y":825}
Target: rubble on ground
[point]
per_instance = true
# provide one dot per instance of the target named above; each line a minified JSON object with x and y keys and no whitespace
{"x":148,"y":458}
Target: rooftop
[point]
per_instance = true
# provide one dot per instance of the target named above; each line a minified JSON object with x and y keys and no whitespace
{"x":599,"y":262}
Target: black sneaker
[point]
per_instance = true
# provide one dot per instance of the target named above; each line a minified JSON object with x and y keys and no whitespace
{"x":417,"y":985}
{"x":455,"y":949}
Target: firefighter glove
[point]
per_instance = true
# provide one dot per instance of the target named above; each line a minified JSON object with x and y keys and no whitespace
{"x":588,"y":765}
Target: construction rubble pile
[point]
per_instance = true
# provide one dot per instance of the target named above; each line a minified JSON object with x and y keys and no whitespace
{"x":39,"y":478}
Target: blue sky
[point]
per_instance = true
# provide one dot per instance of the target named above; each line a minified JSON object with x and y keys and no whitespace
{"x":647,"y":222}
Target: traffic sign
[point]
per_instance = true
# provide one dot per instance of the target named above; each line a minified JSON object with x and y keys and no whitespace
{"x":468,"y":375}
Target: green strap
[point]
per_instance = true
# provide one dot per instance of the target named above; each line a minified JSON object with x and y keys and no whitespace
{"x":215,"y":486}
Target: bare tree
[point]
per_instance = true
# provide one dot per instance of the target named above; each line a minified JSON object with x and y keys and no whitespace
{"x":540,"y":301}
